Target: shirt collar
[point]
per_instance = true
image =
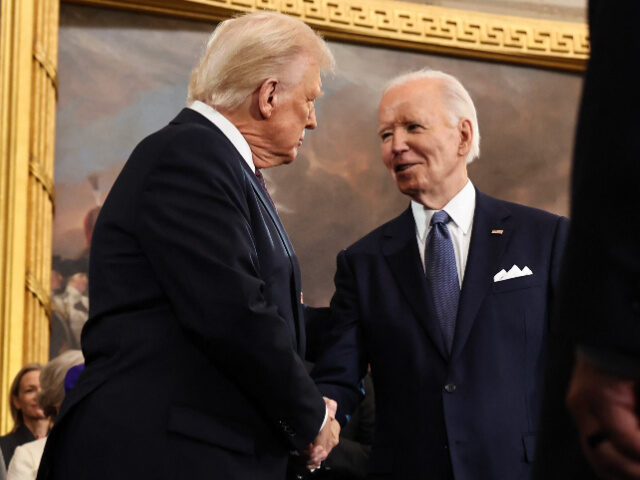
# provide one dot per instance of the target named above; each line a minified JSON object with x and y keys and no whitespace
{"x":227,"y":128}
{"x":460,"y":208}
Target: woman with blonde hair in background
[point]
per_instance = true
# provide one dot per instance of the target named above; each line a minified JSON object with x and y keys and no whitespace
{"x":30,"y":423}
{"x":26,"y":459}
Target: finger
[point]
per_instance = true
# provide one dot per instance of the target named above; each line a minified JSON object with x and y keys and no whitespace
{"x":621,"y":423}
{"x":610,"y":464}
{"x":311,"y":464}
{"x":318,"y":455}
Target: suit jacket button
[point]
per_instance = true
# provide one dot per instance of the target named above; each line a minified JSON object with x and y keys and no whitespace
{"x":450,"y":387}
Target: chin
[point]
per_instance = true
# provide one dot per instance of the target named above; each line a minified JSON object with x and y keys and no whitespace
{"x":290,"y":158}
{"x":406,"y":187}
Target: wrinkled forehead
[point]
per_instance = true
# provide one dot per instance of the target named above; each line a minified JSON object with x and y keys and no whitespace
{"x":401,"y":105}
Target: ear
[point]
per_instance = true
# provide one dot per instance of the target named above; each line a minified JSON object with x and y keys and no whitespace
{"x":466,"y":136}
{"x":267,"y":97}
{"x":14,"y":402}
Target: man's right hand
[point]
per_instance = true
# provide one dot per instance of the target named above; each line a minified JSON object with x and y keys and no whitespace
{"x":327,"y":438}
{"x":323,"y":444}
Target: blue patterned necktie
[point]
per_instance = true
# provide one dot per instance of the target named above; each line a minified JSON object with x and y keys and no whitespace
{"x":264,"y":185}
{"x":440,"y":266}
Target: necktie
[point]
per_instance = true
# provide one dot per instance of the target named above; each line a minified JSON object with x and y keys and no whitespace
{"x":440,"y":266}
{"x":264,"y":185}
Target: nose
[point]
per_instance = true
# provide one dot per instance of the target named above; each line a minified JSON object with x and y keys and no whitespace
{"x":398,"y":142}
{"x":312,"y":123}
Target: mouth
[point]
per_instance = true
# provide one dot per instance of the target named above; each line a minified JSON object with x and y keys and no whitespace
{"x":403,"y":167}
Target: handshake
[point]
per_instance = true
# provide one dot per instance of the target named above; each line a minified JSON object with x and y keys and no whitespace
{"x":327,"y":438}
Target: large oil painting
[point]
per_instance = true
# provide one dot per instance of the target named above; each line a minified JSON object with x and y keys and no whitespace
{"x":124,"y":75}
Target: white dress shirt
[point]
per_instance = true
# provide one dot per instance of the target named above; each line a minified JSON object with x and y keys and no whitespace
{"x":460,"y":208}
{"x":235,"y":137}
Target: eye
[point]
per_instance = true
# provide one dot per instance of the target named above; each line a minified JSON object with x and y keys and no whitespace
{"x":385,"y":135}
{"x":414,"y":127}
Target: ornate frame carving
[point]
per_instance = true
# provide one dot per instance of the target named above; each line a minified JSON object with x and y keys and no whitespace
{"x":545,"y":43}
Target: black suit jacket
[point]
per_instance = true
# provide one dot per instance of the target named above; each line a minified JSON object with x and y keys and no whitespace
{"x":469,"y":415}
{"x":11,"y":441}
{"x":194,"y":343}
{"x":599,"y":295}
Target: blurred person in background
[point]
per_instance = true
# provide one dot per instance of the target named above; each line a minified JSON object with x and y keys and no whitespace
{"x":26,"y":459}
{"x":30,"y":423}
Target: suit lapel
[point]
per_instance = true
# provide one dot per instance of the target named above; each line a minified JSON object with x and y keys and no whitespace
{"x":400,"y":249}
{"x":485,"y":251}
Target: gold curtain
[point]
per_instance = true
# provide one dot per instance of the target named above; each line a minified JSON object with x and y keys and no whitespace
{"x":28,"y":88}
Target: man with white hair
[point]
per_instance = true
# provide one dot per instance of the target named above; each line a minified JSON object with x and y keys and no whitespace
{"x":449,"y":303}
{"x":195,"y":339}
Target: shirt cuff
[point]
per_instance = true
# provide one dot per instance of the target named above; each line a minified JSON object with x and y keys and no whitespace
{"x":326,"y":417}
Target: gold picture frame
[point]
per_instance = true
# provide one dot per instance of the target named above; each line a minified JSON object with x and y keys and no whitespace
{"x":545,"y":43}
{"x":28,"y":89}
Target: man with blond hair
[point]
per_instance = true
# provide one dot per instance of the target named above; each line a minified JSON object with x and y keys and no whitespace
{"x":449,"y":303}
{"x":194,"y":342}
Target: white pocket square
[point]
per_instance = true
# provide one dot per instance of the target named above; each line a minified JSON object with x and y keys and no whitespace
{"x":514,"y":272}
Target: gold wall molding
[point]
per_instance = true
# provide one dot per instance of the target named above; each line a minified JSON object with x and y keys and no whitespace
{"x":28,"y":85}
{"x":41,"y":175}
{"x":39,"y":292}
{"x":48,"y":64}
{"x":561,"y":45}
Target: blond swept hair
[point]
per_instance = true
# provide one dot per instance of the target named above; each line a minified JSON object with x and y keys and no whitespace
{"x":243,"y":52}
{"x":455,"y":97}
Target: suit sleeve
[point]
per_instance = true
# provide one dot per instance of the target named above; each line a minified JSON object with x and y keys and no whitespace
{"x":600,"y":287}
{"x":193,"y":224}
{"x":340,"y":368}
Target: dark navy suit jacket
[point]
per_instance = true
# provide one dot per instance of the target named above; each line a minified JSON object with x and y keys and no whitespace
{"x":469,"y":415}
{"x":194,"y":343}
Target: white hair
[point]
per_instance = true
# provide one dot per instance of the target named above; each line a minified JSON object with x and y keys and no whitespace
{"x":52,"y":380}
{"x":457,"y":101}
{"x":243,"y":52}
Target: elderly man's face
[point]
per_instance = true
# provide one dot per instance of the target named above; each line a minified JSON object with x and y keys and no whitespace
{"x":295,"y":112}
{"x":424,"y":154}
